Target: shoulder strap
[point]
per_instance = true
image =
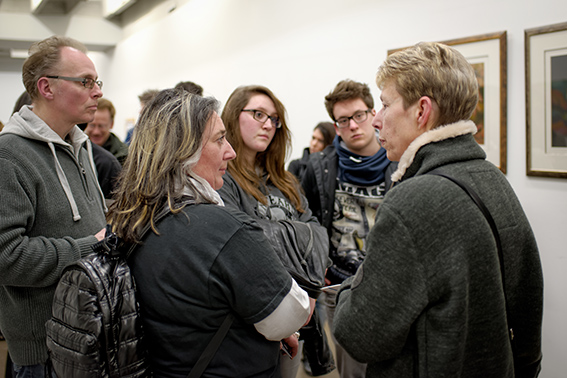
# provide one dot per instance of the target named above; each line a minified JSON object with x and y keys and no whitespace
{"x":472,"y":194}
{"x":211,"y":348}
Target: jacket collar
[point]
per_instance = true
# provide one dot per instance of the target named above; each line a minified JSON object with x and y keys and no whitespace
{"x":437,"y":134}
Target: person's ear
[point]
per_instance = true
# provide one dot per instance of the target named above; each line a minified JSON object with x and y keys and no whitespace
{"x":425,"y":113}
{"x":337,"y":130}
{"x":44,"y":88}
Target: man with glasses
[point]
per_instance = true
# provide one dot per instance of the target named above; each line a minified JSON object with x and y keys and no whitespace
{"x":52,"y":209}
{"x":345,"y":184}
{"x":99,"y":133}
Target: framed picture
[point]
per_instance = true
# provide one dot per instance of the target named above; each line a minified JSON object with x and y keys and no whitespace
{"x":546,"y":100}
{"x":487,"y":54}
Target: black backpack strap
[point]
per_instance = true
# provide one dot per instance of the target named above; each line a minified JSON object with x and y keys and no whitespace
{"x":474,"y":196}
{"x":211,"y":348}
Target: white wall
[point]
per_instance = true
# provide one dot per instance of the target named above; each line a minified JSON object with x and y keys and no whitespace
{"x":301,"y":49}
{"x":12,"y":88}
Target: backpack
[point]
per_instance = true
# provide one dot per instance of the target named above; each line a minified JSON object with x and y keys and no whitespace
{"x":95,"y":329}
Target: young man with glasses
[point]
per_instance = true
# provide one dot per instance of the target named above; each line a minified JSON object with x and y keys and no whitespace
{"x":345,"y":184}
{"x":52,"y":209}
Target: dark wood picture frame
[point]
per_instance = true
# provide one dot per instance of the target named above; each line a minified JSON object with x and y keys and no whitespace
{"x":546,"y":100}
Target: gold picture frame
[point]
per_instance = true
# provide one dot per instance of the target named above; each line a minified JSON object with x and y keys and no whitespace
{"x":488,"y":55}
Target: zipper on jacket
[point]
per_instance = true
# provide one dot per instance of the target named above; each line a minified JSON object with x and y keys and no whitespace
{"x":82,"y":170}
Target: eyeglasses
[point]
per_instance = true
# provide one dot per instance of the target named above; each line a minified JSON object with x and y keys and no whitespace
{"x":86,"y":81}
{"x":357,"y":117}
{"x":262,"y":117}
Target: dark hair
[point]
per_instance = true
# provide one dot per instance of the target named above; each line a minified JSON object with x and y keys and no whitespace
{"x":24,"y":99}
{"x":190,"y":87}
{"x":147,"y":96}
{"x":328,"y":131}
{"x":348,"y":90}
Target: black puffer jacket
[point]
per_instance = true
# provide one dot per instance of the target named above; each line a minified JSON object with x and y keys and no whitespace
{"x":95,"y":330}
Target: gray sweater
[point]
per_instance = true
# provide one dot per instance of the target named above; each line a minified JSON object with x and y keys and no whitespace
{"x":428,"y":299}
{"x":51,"y":207}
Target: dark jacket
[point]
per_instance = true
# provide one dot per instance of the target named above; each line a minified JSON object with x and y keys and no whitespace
{"x":428,"y":299}
{"x":107,"y":167}
{"x":116,"y":147}
{"x":298,"y":239}
{"x":297,"y":167}
{"x":207,"y":261}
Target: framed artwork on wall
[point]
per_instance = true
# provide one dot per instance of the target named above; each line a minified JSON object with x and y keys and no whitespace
{"x":546,"y":100}
{"x":487,"y":54}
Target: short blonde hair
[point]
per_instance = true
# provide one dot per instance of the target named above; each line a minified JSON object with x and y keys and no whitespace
{"x":434,"y":70}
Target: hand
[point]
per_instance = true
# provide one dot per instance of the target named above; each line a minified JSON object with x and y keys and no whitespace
{"x":101,"y":234}
{"x":293,"y":343}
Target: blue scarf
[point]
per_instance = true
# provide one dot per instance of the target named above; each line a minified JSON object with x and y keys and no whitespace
{"x":360,"y":170}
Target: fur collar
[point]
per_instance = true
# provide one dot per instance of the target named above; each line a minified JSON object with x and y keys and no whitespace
{"x":437,"y":134}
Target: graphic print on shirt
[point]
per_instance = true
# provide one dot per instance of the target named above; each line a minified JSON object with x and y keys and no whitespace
{"x":278,"y":208}
{"x":353,"y":215}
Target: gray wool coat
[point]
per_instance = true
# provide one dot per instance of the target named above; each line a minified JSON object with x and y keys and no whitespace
{"x":428,"y":299}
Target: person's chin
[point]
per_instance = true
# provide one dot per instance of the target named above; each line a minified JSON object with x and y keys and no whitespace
{"x":218,"y":184}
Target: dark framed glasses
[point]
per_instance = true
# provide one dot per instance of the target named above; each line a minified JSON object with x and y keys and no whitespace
{"x":262,"y":117}
{"x":86,"y":81}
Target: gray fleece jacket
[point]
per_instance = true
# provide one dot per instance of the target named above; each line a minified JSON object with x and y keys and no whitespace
{"x":51,"y":207}
{"x":428,"y":299}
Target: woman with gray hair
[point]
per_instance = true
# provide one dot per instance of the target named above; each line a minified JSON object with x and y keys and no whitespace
{"x":201,"y":261}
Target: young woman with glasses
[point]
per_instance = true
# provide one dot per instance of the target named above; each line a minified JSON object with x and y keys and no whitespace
{"x":258,"y":184}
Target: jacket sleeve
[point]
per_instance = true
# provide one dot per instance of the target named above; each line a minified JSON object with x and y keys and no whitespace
{"x":301,"y":244}
{"x":303,"y":248}
{"x":377,"y":306}
{"x":293,"y":167}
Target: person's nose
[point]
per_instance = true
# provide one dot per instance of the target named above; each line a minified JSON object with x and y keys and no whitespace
{"x":230,"y":153}
{"x":377,"y":120}
{"x":352,"y":124}
{"x":96,"y":92}
{"x":268,"y":124}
